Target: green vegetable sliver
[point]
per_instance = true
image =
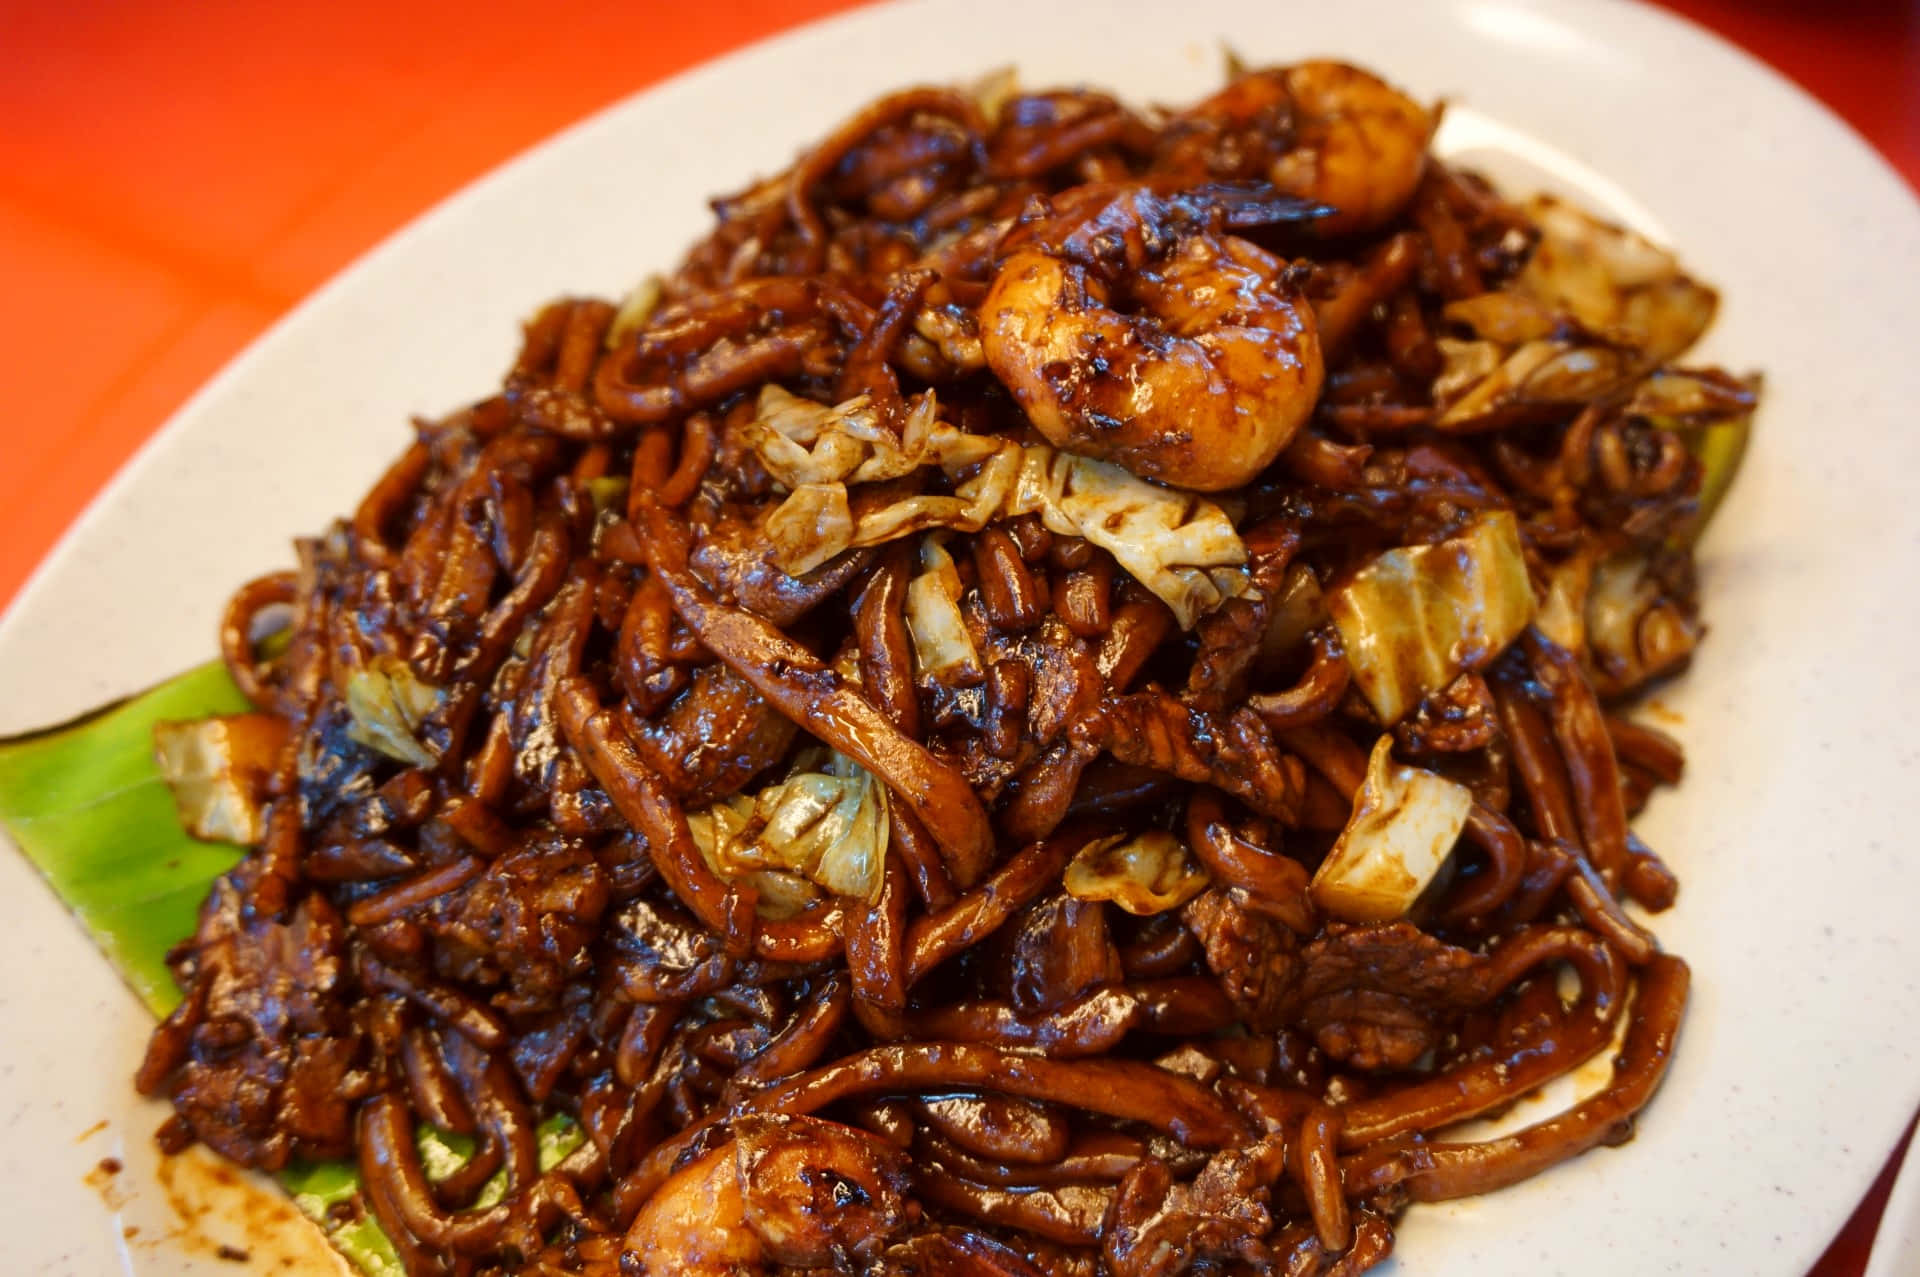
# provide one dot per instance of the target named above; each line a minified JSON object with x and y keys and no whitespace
{"x":1721,"y":448}
{"x":86,"y":805}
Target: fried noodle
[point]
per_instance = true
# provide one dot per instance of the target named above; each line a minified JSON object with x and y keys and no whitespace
{"x":1052,"y":702}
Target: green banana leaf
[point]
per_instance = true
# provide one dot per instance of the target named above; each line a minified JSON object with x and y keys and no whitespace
{"x":86,"y":804}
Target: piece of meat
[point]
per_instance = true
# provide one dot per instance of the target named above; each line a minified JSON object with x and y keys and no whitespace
{"x":1234,"y":753}
{"x":1066,"y":682}
{"x":1376,"y":996}
{"x":1454,"y":720}
{"x":716,"y":736}
{"x":1159,"y":1228}
{"x":1372,"y":997}
{"x":1229,"y":643}
{"x":1062,"y":685}
{"x":660,"y":953}
{"x":1254,"y":957}
{"x":545,"y":1045}
{"x":522,"y":927}
{"x":262,"y":1060}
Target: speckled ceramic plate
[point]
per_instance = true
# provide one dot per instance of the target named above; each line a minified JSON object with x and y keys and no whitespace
{"x":1801,"y":1055}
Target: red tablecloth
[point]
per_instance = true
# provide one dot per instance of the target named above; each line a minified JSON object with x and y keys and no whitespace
{"x":174,"y":177}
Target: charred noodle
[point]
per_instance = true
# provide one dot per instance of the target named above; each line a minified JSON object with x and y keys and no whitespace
{"x":1049,"y":703}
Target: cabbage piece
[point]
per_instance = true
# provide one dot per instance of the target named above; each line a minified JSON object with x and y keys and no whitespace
{"x":812,"y":525}
{"x":1594,"y":309}
{"x":1563,"y":613}
{"x":1146,"y":874}
{"x":1504,"y":317}
{"x":1180,"y":546}
{"x":636,"y":308}
{"x":801,"y":441}
{"x":1720,"y":448}
{"x":1298,"y":608}
{"x":943,"y":650}
{"x":389,"y":702}
{"x":217,"y":769}
{"x":1485,"y":387}
{"x":1615,"y":283}
{"x":1676,"y":398}
{"x":992,"y":91}
{"x":1614,"y":615}
{"x":1464,"y":365}
{"x":1416,"y":618}
{"x":815,"y":451}
{"x":975,"y":503}
{"x":816,"y":829}
{"x":1405,"y":822}
{"x":1634,"y":632}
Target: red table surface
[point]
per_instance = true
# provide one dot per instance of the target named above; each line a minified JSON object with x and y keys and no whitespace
{"x":174,"y":177}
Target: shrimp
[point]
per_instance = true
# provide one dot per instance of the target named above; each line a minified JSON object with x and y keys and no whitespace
{"x":783,"y":1192}
{"x":1198,"y":374}
{"x":1320,"y":130}
{"x":1359,"y":144}
{"x":1235,"y":135}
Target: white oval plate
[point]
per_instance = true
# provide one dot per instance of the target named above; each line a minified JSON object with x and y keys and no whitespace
{"x":1801,"y":1056}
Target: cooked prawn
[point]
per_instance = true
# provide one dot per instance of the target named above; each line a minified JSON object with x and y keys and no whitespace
{"x":1197,"y":374}
{"x":1320,"y":130}
{"x":783,"y":1192}
{"x":1359,"y":144}
{"x":1235,"y":134}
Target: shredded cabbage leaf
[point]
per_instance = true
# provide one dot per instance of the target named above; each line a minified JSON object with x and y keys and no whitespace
{"x":1594,"y":309}
{"x":1180,"y":546}
{"x":1613,"y":614}
{"x":814,"y":830}
{"x":812,"y":525}
{"x":1563,"y":613}
{"x":1484,"y":384}
{"x":636,"y":309}
{"x":1616,"y":283}
{"x":943,"y":649}
{"x":388,"y":704}
{"x":802,"y":442}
